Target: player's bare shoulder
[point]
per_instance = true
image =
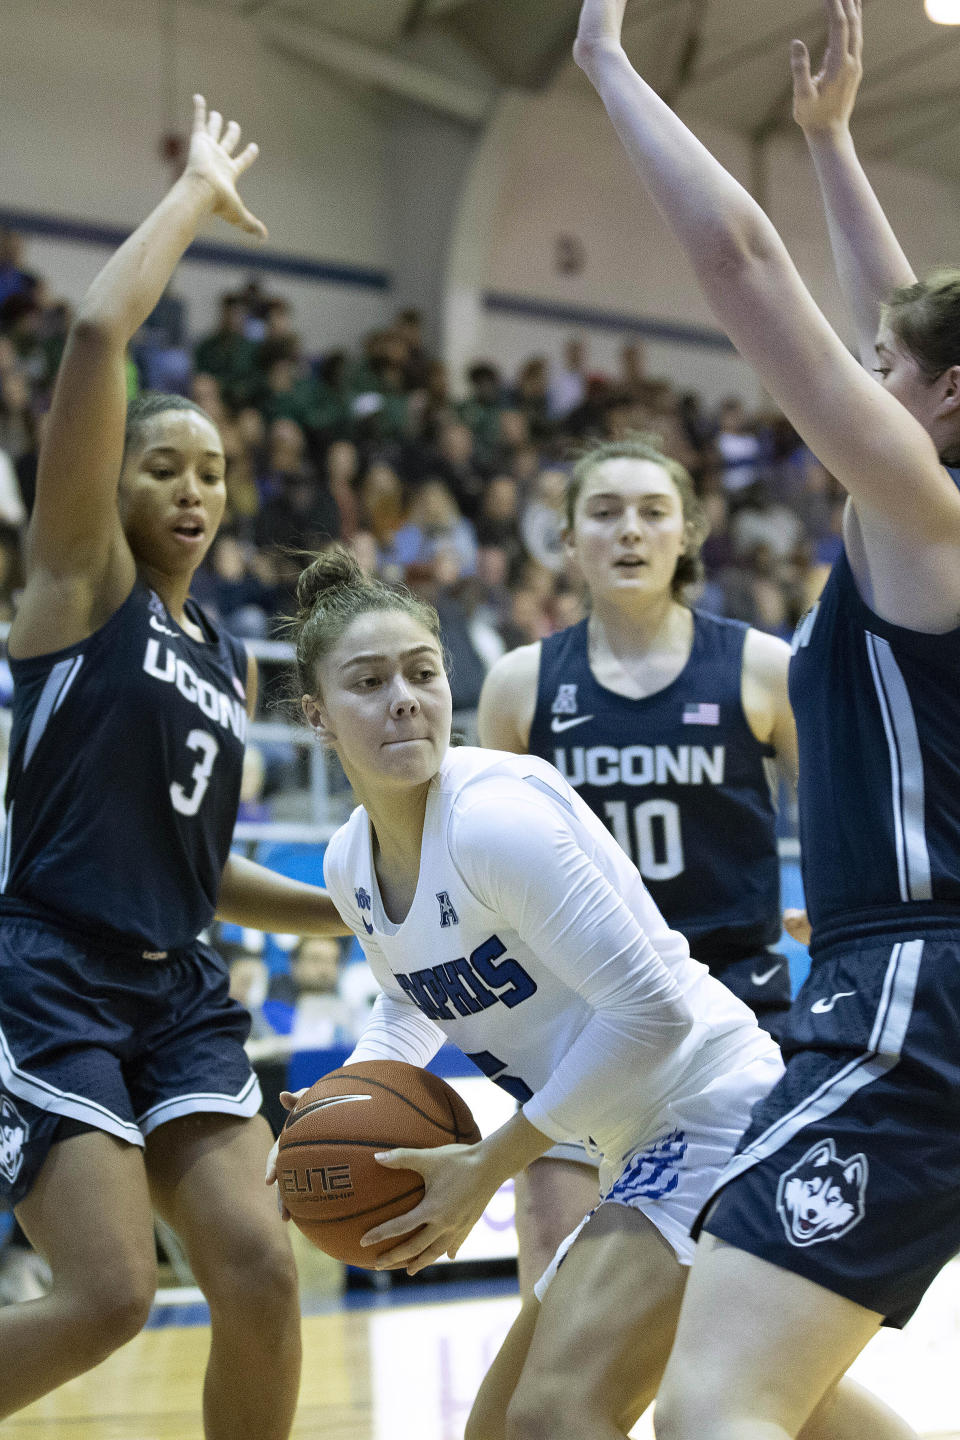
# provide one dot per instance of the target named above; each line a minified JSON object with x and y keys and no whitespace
{"x":765,"y":658}
{"x":766,"y":700}
{"x":508,"y":700}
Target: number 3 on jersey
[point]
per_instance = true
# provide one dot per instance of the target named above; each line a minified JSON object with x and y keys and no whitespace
{"x":656,"y":824}
{"x":187,"y":802}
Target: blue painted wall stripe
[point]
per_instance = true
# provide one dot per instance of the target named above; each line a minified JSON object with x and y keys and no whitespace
{"x":207,"y":252}
{"x":674,"y":333}
{"x":330,"y":272}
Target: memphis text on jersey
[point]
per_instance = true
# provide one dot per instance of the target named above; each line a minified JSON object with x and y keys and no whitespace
{"x":469,"y":985}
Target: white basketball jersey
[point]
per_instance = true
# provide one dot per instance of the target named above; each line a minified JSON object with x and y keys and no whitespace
{"x":534,"y":946}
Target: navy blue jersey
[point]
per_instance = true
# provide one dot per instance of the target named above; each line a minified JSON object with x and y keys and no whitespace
{"x":679,"y":777}
{"x":878,"y":719}
{"x":125,"y":762}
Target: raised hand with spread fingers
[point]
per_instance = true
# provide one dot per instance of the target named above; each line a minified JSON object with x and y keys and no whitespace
{"x":870,"y":263}
{"x":213,"y":158}
{"x":76,"y":529}
{"x":824,"y":101}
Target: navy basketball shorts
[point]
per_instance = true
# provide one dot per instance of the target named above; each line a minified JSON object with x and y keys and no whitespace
{"x":761,"y":981}
{"x":849,"y":1173}
{"x":98,"y":1039}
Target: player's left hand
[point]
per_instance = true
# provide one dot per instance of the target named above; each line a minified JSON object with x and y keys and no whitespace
{"x":288,"y":1099}
{"x":212,"y":160}
{"x":457,"y":1191}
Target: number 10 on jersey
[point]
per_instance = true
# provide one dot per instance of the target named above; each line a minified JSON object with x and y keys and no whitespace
{"x":658,"y":853}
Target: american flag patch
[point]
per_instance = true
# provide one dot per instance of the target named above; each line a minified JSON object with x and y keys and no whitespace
{"x":701,"y":714}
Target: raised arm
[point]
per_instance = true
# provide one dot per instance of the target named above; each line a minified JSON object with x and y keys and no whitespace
{"x":863,"y":435}
{"x":75,"y":533}
{"x":870,"y":263}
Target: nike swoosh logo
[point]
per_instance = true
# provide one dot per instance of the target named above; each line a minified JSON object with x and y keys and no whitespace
{"x":823,"y":1007}
{"x":767,"y":975}
{"x":368,"y":928}
{"x":323,"y":1104}
{"x":164,"y":629}
{"x":558,"y":726}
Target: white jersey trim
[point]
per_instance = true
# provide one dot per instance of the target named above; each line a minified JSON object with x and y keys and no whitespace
{"x":52,"y":696}
{"x":245,"y":1103}
{"x":45,"y":1096}
{"x":7,"y":844}
{"x":906,"y":770}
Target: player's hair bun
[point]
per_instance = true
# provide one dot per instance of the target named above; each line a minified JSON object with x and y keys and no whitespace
{"x":334,"y":571}
{"x":332,"y":592}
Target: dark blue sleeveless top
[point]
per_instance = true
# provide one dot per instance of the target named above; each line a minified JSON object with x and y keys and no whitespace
{"x":878,"y":719}
{"x":125,"y":762}
{"x":679,"y":777}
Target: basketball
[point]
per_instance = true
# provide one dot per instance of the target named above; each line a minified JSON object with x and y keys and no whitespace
{"x":329,"y":1181}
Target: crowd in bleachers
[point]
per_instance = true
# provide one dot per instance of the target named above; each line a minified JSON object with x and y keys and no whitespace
{"x":452,"y":483}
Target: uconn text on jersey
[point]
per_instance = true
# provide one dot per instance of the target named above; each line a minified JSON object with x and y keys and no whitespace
{"x":164,"y":664}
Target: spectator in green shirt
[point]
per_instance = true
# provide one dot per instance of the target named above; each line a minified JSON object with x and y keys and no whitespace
{"x":228,"y":355}
{"x":482,"y":408}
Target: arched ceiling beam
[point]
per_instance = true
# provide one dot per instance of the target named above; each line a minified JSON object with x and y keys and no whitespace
{"x":380,"y":69}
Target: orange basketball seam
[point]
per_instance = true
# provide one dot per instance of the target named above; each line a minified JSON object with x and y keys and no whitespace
{"x":453,"y":1115}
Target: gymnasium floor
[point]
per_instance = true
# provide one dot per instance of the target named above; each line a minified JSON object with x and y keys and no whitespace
{"x":406,"y":1369}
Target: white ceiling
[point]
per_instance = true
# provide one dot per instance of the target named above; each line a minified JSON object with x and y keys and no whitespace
{"x":724,"y":60}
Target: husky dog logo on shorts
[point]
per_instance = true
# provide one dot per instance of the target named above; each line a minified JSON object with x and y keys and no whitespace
{"x":14,"y":1132}
{"x":822,"y":1197}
